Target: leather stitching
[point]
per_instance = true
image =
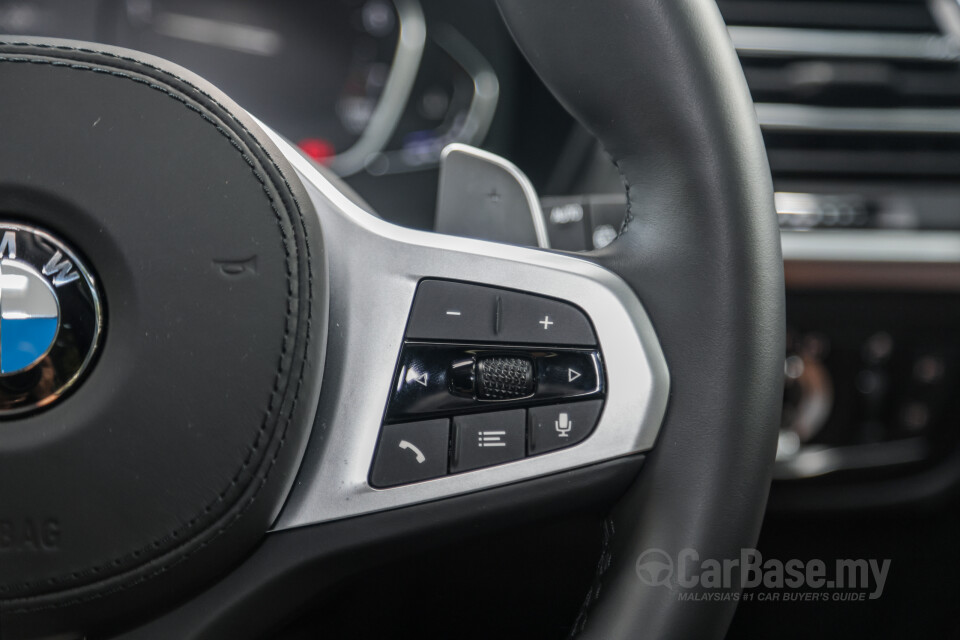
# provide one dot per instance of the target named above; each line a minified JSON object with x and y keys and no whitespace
{"x":256,"y":445}
{"x":628,"y":215}
{"x":593,"y":594}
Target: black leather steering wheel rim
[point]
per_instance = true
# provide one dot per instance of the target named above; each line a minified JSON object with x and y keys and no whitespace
{"x":659,"y":84}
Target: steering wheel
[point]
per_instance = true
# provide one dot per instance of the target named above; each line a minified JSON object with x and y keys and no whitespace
{"x":203,"y":427}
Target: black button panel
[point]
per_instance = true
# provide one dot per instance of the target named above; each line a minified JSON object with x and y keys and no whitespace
{"x":448,"y":379}
{"x":416,"y":451}
{"x":487,"y":376}
{"x":444,"y":310}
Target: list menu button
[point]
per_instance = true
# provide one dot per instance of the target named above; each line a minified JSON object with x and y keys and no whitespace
{"x":487,"y":439}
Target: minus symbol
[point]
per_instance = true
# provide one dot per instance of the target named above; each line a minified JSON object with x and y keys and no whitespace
{"x":453,"y":313}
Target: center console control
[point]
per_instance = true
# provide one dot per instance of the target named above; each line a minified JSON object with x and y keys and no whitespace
{"x":487,"y":376}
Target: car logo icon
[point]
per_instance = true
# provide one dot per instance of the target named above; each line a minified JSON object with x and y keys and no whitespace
{"x":50,"y":318}
{"x":29,"y":316}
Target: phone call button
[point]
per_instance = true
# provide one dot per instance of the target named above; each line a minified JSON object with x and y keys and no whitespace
{"x":411,"y":452}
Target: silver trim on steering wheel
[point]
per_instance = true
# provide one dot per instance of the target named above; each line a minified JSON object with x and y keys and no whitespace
{"x":375,"y":267}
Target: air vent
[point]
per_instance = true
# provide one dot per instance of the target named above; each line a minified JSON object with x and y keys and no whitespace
{"x":857,"y":15}
{"x":853,"y":87}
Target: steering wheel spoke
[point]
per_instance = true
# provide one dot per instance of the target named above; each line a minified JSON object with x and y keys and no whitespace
{"x":378,"y":268}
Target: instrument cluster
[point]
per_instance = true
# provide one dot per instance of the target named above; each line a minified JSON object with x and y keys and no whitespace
{"x":359,"y":85}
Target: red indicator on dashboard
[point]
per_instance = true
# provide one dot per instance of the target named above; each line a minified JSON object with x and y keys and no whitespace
{"x":317,"y":148}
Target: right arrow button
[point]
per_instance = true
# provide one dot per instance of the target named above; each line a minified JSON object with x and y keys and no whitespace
{"x":569,"y":373}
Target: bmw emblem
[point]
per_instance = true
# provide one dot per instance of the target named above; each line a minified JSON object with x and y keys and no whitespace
{"x":50,"y":318}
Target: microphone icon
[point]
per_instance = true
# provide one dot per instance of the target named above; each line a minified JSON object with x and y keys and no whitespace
{"x":563,"y":425}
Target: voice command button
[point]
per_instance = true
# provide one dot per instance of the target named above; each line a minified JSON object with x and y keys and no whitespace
{"x":561,"y":425}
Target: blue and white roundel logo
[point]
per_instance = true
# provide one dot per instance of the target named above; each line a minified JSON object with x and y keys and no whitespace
{"x":29,"y":316}
{"x":50,"y":318}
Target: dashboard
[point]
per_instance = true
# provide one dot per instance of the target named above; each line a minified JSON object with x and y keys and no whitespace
{"x":857,"y":107}
{"x":315,"y":71}
{"x":360,"y":85}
